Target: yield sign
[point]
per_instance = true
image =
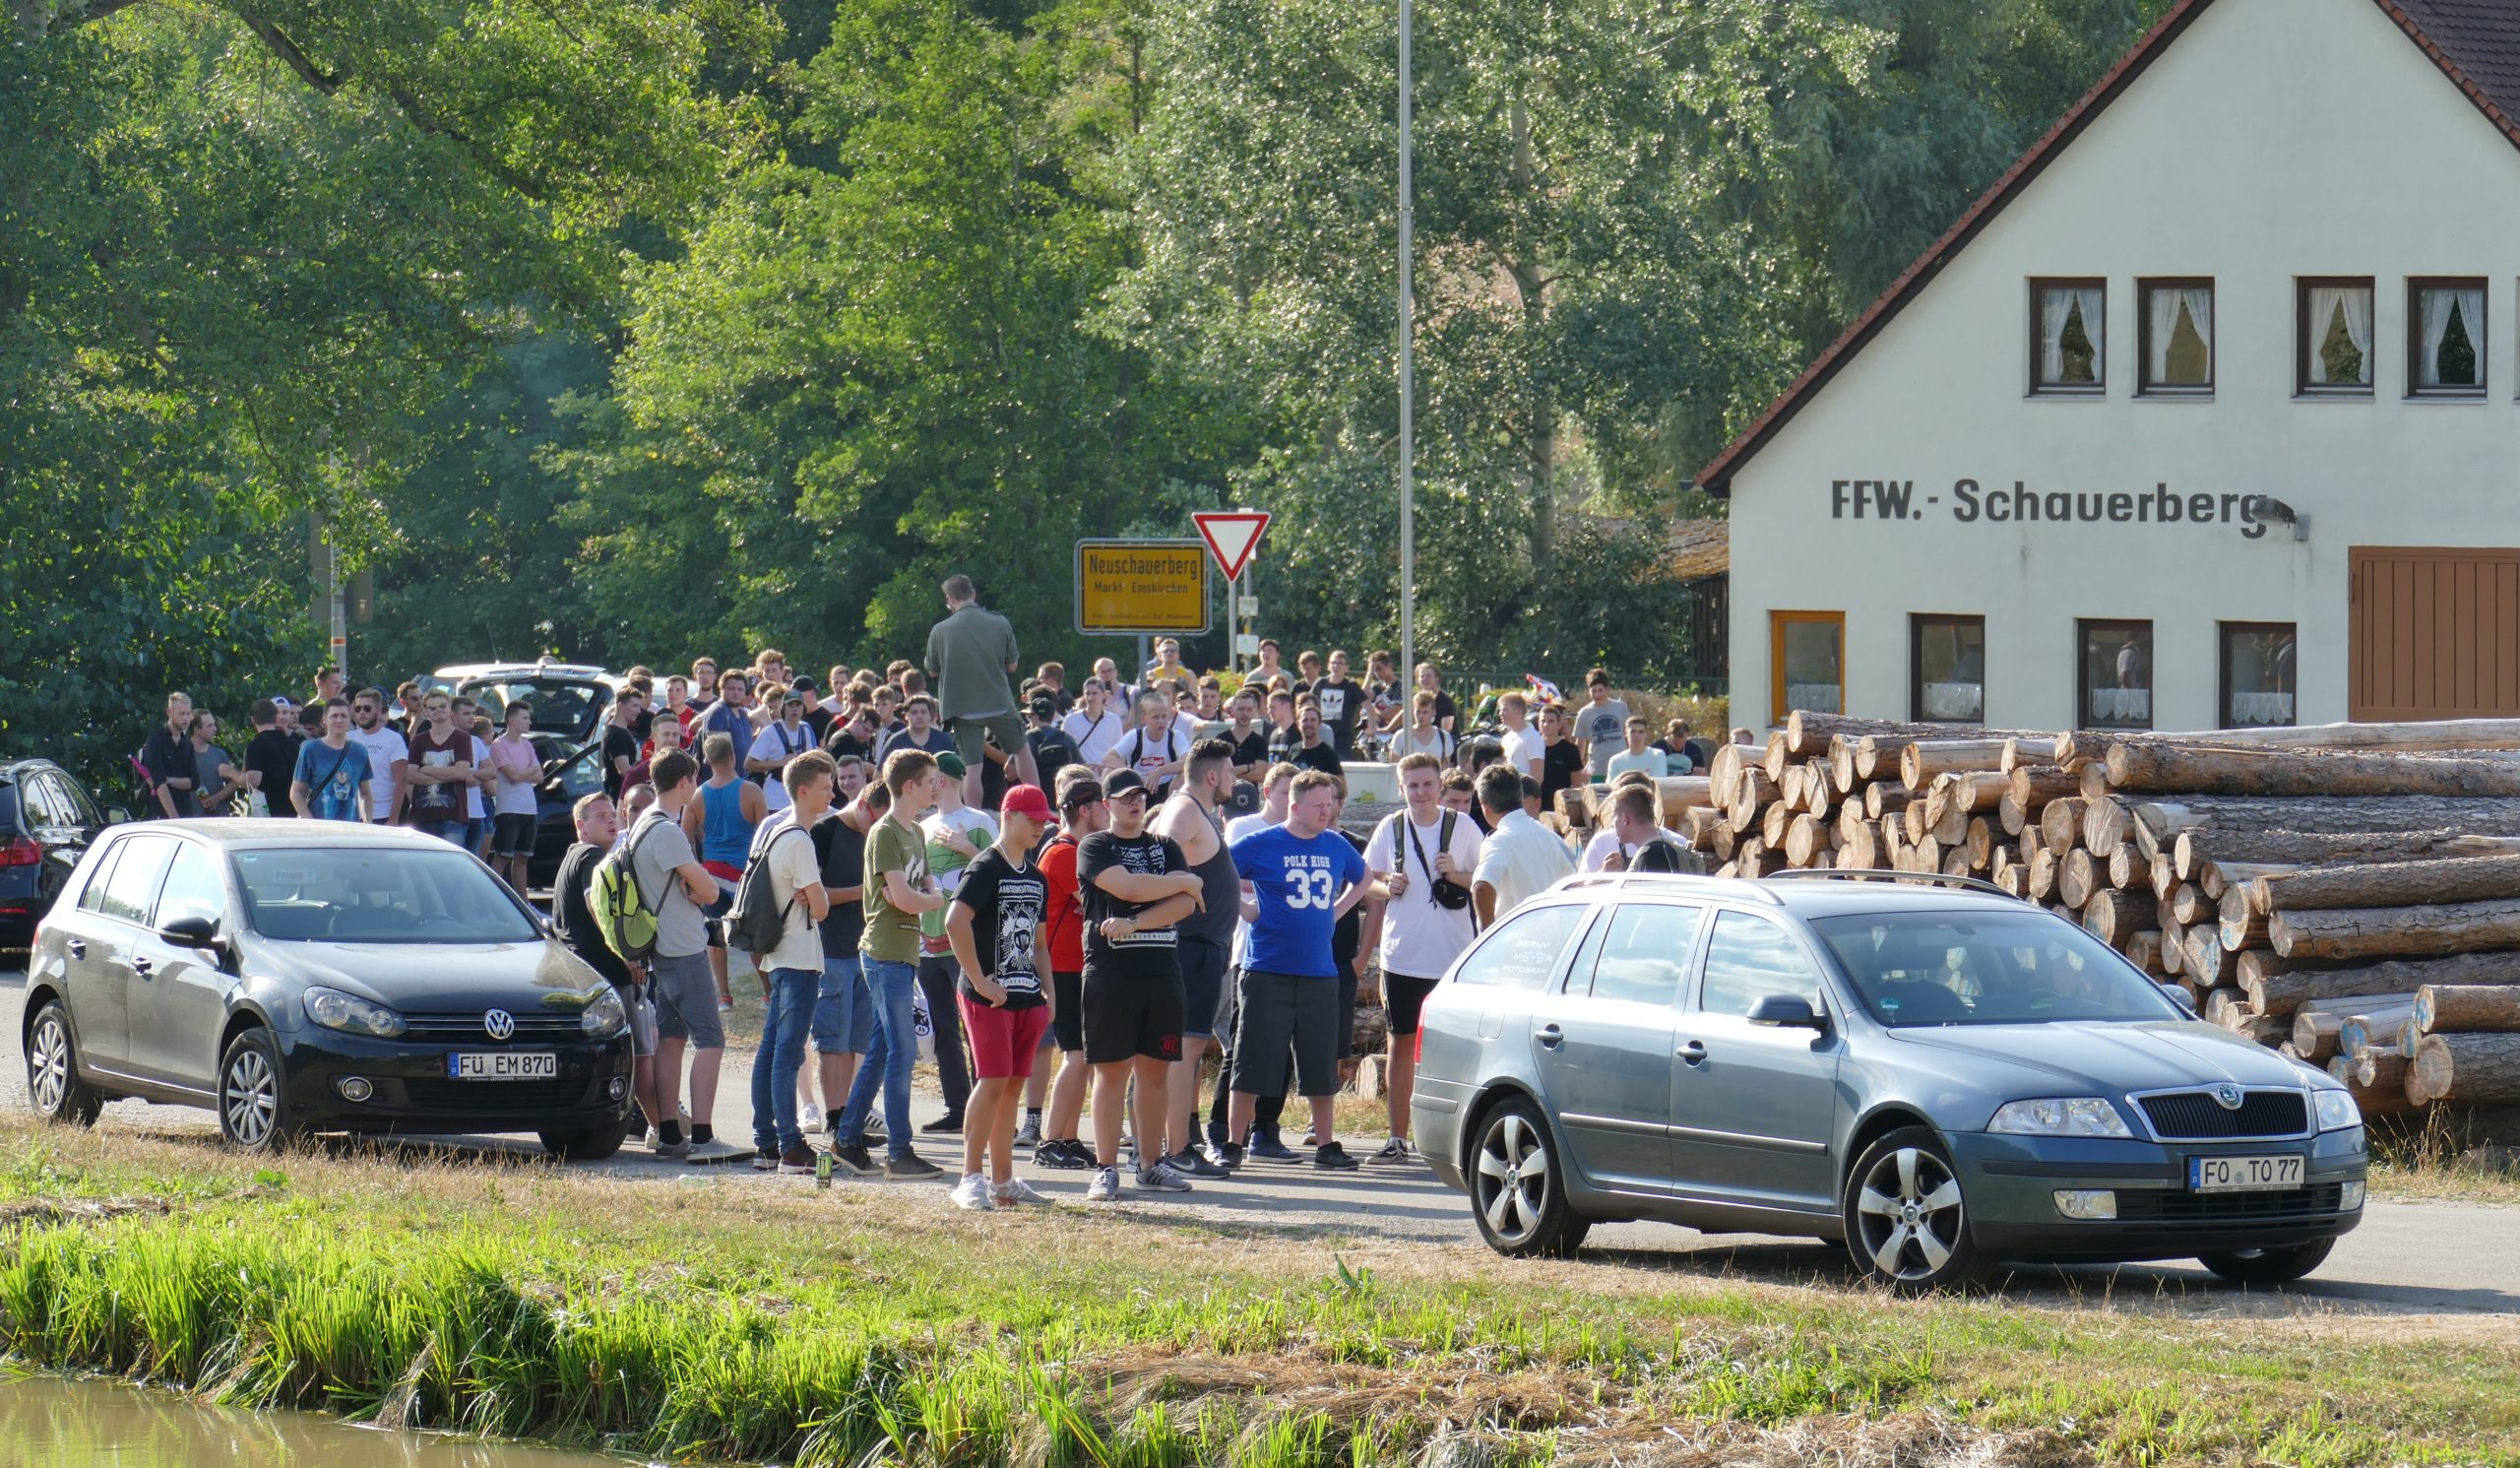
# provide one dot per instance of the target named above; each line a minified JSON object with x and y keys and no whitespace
{"x":1231,"y":537}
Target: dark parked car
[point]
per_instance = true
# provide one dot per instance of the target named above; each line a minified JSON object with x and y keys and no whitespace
{"x":1938,"y":1075}
{"x":300,"y":976}
{"x":47,"y":820}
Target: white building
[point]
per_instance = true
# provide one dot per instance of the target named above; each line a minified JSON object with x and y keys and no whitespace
{"x":2223,"y":369}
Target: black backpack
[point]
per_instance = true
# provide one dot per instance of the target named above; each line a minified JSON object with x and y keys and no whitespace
{"x":757,"y":924}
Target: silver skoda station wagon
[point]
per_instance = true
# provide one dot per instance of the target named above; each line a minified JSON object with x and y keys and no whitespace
{"x":1938,"y":1075}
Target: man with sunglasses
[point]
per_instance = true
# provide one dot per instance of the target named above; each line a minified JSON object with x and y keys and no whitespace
{"x":388,"y":757}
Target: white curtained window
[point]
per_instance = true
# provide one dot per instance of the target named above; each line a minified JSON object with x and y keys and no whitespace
{"x":2439,"y":307}
{"x":2176,"y":358}
{"x":2328,"y":306}
{"x":2059,"y":306}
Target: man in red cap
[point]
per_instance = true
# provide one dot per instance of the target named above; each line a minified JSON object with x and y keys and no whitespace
{"x":995,"y":928}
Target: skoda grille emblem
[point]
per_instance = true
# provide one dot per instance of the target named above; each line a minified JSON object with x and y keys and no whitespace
{"x":502,"y":1026}
{"x":2226,"y":1093}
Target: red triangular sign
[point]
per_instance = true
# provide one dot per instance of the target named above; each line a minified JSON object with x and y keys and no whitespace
{"x":1231,"y":537}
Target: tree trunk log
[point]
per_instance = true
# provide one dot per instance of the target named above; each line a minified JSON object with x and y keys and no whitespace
{"x":1923,"y":759}
{"x":1751,"y":798}
{"x":1885,"y":798}
{"x":2206,"y":960}
{"x":1772,"y":823}
{"x":2043,"y":875}
{"x":2037,"y":785}
{"x":2243,"y":926}
{"x":2470,"y":1068}
{"x":2277,"y":987}
{"x":2189,"y":906}
{"x":2104,"y":825}
{"x":1776,"y":759}
{"x":2150,"y":768}
{"x":1723,"y":772}
{"x":2390,"y":884}
{"x":2441,"y":1008}
{"x":1841,"y":765}
{"x":2382,"y":1028}
{"x":2301,"y":848}
{"x":2399,"y":931}
{"x":2381,"y":1067}
{"x":2060,"y":824}
{"x":2143,"y":949}
{"x":2163,"y":879}
{"x":1819,"y":789}
{"x":2447,"y":733}
{"x":1808,"y":733}
{"x":2116,"y":917}
{"x":1863,"y":847}
{"x":2328,"y":815}
{"x":2076,"y":879}
{"x":1804,"y":838}
{"x":1979,"y":841}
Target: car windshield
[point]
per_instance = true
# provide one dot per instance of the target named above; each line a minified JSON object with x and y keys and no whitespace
{"x":1987,"y":968}
{"x":564,"y":706}
{"x":377,"y":895}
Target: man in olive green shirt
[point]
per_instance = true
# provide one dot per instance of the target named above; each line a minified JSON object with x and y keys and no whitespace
{"x":968,"y":655}
{"x":898,"y":889}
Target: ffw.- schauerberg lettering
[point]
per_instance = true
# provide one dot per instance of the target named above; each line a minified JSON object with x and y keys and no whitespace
{"x":1897,"y":500}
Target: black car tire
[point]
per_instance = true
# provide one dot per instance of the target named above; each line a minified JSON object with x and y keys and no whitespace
{"x":52,"y":1070}
{"x":1906,"y":1219}
{"x":1518,"y":1189}
{"x":250,"y":1118}
{"x":593,"y":1144}
{"x":2268,"y":1267}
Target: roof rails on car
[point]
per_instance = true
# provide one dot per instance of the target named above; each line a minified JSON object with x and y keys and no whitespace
{"x":1720,"y":886}
{"x":1877,"y":874}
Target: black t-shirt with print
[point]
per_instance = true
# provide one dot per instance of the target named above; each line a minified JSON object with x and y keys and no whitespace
{"x":618,"y":743}
{"x":1252,"y":748}
{"x":1007,"y":904}
{"x":1342,"y":704}
{"x":272,"y":754}
{"x":1144,"y":955}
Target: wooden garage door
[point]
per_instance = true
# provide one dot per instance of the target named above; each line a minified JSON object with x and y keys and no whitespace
{"x":2435,"y":633}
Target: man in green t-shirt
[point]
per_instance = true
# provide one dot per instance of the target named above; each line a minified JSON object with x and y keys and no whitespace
{"x":897,"y":890}
{"x":955,"y":835}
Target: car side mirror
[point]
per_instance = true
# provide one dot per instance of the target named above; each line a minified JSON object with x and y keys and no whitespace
{"x":2179,"y":997}
{"x":116,"y":815}
{"x":1786,"y":1012}
{"x":191,"y":933}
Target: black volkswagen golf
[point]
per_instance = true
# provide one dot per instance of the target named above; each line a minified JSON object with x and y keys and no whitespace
{"x":301,"y":976}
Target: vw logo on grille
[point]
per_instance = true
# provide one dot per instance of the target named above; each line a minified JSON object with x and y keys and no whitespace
{"x":502,"y":1026}
{"x":2228,"y":1094}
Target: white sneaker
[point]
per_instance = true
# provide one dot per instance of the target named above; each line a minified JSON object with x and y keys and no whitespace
{"x":973,"y":1194}
{"x":810,"y":1117}
{"x":1106,"y":1186}
{"x":1018,"y":1193}
{"x":1163,"y":1177}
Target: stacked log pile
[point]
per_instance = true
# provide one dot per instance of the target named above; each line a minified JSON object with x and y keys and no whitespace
{"x":2348,"y":892}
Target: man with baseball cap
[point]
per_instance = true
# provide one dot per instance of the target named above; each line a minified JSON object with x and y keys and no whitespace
{"x":995,"y":928}
{"x":1135,"y":886}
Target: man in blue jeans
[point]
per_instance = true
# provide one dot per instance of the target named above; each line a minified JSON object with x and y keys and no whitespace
{"x":897,"y":890}
{"x":783,"y":856}
{"x":844,"y":1031}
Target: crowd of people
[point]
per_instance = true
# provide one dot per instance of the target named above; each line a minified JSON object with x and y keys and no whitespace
{"x":1063,"y":889}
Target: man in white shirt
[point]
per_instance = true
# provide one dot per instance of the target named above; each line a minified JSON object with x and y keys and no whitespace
{"x":1423,"y":859}
{"x":1521,"y":857}
{"x":1606,"y":841}
{"x":1524,"y":749}
{"x":1091,"y":725}
{"x":1156,"y":748}
{"x":388,"y":757}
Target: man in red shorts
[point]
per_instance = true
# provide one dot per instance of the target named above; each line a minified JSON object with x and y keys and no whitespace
{"x":995,"y":927}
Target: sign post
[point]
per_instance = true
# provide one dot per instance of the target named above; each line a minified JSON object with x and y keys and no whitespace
{"x":1231,"y":537}
{"x":1141,"y":588}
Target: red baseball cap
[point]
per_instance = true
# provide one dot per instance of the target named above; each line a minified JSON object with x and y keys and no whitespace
{"x":1028,"y":801}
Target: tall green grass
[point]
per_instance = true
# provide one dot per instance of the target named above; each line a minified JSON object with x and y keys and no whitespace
{"x":500,"y":1334}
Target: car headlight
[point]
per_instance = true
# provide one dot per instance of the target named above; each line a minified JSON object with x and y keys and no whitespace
{"x":2336,"y":1109}
{"x":603,"y":1014}
{"x":336,"y":1010}
{"x":2071,"y":1116}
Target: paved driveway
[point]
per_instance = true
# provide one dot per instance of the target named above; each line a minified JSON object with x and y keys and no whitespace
{"x":2407,"y":1259}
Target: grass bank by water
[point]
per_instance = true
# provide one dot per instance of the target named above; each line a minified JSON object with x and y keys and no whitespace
{"x":736,"y":1317}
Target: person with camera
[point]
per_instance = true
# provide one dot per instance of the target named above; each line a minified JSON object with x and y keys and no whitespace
{"x":1423,"y":858}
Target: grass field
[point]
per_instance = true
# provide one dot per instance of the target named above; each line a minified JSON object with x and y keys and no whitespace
{"x":709,"y":1319}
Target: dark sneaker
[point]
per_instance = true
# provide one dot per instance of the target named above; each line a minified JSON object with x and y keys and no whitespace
{"x":1228,"y":1155}
{"x":797,"y":1158}
{"x":950,"y":1122}
{"x":1394,"y":1153}
{"x":1330,"y":1156}
{"x":1067,"y":1156}
{"x":1030,"y":1133}
{"x":1270,"y":1149}
{"x":855,"y":1162}
{"x":1161,"y":1178}
{"x":765,"y":1158}
{"x":1216,"y":1135}
{"x":1190,"y":1162}
{"x":915,"y":1167}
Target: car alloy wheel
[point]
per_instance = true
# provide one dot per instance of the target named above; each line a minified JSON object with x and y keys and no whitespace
{"x":1907,"y":1222}
{"x":52,"y":1070}
{"x":249,"y":1094}
{"x":1516,"y":1190}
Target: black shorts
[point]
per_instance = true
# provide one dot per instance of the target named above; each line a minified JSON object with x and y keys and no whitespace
{"x":1405,"y":998}
{"x":1281,"y":1012}
{"x":1067,"y":1022}
{"x":1203,"y":967}
{"x":512,"y":835}
{"x":1346,"y":1013}
{"x":1129,"y":1017}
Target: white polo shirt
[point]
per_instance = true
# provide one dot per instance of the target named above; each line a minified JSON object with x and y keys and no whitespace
{"x":1521,"y":858}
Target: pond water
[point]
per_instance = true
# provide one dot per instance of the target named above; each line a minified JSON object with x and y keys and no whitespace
{"x":49,"y":1423}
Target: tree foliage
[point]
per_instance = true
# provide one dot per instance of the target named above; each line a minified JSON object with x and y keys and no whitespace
{"x":636,"y":329}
